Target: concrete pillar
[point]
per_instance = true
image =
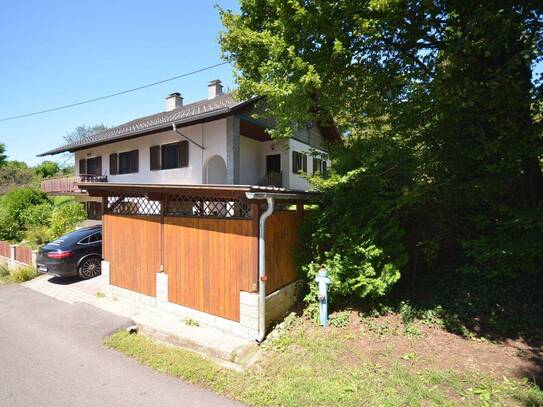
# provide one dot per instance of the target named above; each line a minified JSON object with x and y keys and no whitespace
{"x":161,"y":290}
{"x":232,"y":150}
{"x":248,"y":312}
{"x":11,"y":265}
{"x":105,"y":272}
{"x":34,"y":257}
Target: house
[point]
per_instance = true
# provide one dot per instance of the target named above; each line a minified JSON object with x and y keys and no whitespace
{"x":200,"y":208}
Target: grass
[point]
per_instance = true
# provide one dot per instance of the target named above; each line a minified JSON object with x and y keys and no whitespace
{"x":307,"y":367}
{"x":5,"y":275}
{"x":18,"y":276}
{"x":23,"y":274}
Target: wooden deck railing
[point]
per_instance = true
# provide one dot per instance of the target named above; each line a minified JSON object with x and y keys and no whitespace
{"x":69,"y":184}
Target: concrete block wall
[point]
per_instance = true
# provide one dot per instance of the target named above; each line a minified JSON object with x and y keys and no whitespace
{"x":277,"y":305}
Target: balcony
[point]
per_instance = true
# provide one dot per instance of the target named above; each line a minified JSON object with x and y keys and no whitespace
{"x":69,"y":185}
{"x":271,"y":179}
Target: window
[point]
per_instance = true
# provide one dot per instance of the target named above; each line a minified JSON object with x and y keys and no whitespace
{"x":97,"y":237}
{"x":319,"y":166}
{"x":90,"y":166}
{"x":299,"y":162}
{"x":123,"y":163}
{"x":168,"y":156}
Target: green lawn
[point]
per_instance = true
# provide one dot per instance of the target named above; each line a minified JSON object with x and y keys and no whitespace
{"x":303,"y":367}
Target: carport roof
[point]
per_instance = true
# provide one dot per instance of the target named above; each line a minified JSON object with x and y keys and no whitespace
{"x":252,"y":191}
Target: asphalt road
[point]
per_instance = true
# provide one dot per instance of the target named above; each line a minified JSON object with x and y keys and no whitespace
{"x":51,"y":354}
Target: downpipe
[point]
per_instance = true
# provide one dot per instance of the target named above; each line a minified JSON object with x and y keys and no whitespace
{"x":262,"y":269}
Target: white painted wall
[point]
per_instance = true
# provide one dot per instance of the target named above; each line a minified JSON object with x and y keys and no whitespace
{"x":252,"y":163}
{"x":211,"y":135}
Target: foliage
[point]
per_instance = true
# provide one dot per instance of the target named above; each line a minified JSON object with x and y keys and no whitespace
{"x":83,"y":131}
{"x":50,"y":220}
{"x":305,"y":368}
{"x":441,"y":167}
{"x":5,"y":275}
{"x":12,"y":208}
{"x":3,"y":156}
{"x":23,"y":274}
{"x":15,"y":174}
{"x":47,"y":169}
{"x":29,"y":214}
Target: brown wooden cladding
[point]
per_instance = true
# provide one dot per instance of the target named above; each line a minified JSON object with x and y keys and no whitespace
{"x":209,"y":261}
{"x":131,"y":244}
{"x":282,"y":240}
{"x":23,"y":254}
{"x":4,"y":249}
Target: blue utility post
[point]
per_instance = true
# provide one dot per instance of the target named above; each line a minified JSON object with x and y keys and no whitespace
{"x":324,"y":281}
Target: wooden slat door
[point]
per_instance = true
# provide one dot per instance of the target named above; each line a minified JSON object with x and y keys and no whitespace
{"x":209,"y":261}
{"x":282,"y":239}
{"x":131,"y":244}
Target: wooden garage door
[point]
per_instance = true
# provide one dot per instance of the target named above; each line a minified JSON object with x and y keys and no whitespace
{"x":132,"y":247}
{"x":209,"y":261}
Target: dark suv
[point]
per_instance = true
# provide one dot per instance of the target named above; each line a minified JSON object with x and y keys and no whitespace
{"x":78,"y":253}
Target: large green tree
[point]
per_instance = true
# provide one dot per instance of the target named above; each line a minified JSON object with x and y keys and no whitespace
{"x":440,"y":111}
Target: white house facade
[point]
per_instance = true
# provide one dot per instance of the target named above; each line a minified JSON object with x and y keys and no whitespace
{"x":212,"y":141}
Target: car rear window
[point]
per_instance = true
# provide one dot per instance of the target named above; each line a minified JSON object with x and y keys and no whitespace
{"x":73,"y":237}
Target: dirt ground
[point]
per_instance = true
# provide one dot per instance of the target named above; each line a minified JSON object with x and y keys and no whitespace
{"x":386,"y":339}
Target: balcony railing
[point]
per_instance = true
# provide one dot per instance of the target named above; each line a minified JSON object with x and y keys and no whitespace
{"x":69,"y":184}
{"x":274,"y":179}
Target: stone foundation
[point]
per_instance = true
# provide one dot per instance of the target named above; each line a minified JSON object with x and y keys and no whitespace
{"x":277,"y":305}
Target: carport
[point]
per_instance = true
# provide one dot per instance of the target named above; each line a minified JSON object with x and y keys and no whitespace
{"x":194,"y":250}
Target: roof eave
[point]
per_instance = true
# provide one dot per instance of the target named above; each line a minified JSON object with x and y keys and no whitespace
{"x":215,"y":115}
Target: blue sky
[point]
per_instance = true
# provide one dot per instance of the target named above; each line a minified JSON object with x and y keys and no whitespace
{"x":58,"y":52}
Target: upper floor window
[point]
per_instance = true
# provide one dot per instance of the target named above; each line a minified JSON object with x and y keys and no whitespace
{"x":299,"y":162}
{"x":168,"y":156}
{"x":90,"y":166}
{"x":319,"y":166}
{"x":124,"y":163}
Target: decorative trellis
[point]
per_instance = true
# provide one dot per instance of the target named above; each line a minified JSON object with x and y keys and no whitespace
{"x":132,"y":204}
{"x":206,"y":206}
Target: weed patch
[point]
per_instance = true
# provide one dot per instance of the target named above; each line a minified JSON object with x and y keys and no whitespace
{"x":306,"y":365}
{"x":24,"y":274}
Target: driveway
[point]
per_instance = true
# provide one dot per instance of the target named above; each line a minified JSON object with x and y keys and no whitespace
{"x":51,"y":354}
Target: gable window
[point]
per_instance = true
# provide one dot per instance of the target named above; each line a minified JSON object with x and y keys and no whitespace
{"x":168,"y":156}
{"x":124,"y":163}
{"x":319,"y":166}
{"x":90,"y":166}
{"x":299,"y":162}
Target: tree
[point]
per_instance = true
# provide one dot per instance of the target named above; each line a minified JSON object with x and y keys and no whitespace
{"x":439,"y":109}
{"x":15,"y":174}
{"x":3,"y":156}
{"x":83,"y":131}
{"x":47,"y":169}
{"x":13,"y":207}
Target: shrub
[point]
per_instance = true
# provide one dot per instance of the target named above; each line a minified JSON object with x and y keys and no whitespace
{"x":65,"y":216}
{"x":24,"y":274}
{"x":13,"y":207}
{"x":356,"y":234}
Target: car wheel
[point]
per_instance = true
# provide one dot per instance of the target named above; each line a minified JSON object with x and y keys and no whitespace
{"x":90,"y":267}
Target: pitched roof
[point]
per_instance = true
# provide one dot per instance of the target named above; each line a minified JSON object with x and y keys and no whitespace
{"x":194,"y":112}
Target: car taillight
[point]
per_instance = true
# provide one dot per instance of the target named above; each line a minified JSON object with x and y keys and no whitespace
{"x":59,"y":254}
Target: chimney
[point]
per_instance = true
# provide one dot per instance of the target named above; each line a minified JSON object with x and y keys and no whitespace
{"x":173,"y":101}
{"x":214,"y":89}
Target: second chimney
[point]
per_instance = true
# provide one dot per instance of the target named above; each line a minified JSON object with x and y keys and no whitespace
{"x":173,"y":101}
{"x":214,"y":89}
